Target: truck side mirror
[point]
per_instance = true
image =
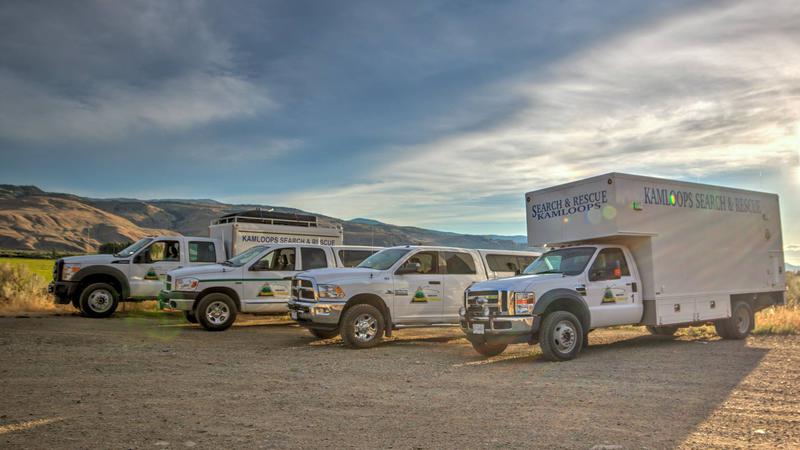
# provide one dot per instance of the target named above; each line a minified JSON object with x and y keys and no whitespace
{"x":409,"y":267}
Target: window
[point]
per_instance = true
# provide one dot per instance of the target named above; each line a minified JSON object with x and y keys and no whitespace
{"x":202,"y":252}
{"x":352,"y":258}
{"x":383,"y":259}
{"x":459,"y":263}
{"x":162,"y":251}
{"x":507,"y":263}
{"x":313,"y":258}
{"x":569,"y":261}
{"x":276,"y":260}
{"x":428,"y":262}
{"x":610,"y":264}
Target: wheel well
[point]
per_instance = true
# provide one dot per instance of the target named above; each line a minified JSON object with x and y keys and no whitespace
{"x":221,"y":290}
{"x":101,"y":278}
{"x":374,"y":300}
{"x":570,"y":305}
{"x":758,"y":301}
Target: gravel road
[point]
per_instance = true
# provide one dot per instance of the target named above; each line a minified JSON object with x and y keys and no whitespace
{"x":156,"y":382}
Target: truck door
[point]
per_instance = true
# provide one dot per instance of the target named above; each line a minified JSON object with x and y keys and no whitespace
{"x":150,"y":266}
{"x":612,"y":292}
{"x":459,"y":272}
{"x":418,"y":289}
{"x":265,"y":287}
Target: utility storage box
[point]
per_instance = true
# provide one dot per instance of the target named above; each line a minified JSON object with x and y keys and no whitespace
{"x":695,"y":245}
{"x":242,"y":230}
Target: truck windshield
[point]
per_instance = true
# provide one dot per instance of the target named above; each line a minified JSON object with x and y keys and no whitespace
{"x":569,"y":261}
{"x":383,"y":259}
{"x":133,"y":248}
{"x":246,"y":256}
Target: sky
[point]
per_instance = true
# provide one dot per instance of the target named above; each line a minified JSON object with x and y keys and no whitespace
{"x":439,"y":114}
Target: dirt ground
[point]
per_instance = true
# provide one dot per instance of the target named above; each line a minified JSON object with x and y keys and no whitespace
{"x":156,"y":382}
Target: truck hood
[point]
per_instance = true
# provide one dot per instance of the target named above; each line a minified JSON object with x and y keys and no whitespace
{"x":88,"y":260}
{"x":340,"y":275}
{"x":201,"y":270}
{"x":519,"y":283}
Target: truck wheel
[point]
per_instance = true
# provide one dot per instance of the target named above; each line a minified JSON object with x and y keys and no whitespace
{"x":216,"y":312}
{"x":489,"y":350}
{"x":739,"y":325}
{"x":99,"y":300}
{"x":190,"y":316}
{"x":661,"y":331}
{"x":324,"y":334}
{"x":362,"y":326}
{"x":561,"y":336}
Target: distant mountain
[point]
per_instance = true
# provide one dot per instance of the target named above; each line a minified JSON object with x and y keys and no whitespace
{"x":792,"y":268}
{"x":31,"y":219}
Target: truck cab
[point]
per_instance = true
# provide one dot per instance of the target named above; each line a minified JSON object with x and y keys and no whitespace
{"x":397,"y":287}
{"x":96,"y":284}
{"x":257,"y":281}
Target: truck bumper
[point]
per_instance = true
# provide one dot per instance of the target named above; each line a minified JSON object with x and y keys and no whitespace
{"x":183,"y":301}
{"x":502,"y":329}
{"x":63,"y":291}
{"x":323,"y":315}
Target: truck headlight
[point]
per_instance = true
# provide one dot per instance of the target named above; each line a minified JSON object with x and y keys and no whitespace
{"x":186,"y":284}
{"x":330,"y":291}
{"x":69,"y":270}
{"x":523,"y":303}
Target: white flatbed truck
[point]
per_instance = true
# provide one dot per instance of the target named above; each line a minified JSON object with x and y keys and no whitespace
{"x":636,"y":250}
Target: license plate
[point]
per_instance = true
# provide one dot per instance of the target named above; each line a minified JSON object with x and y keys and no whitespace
{"x":293,"y":315}
{"x":477,"y":328}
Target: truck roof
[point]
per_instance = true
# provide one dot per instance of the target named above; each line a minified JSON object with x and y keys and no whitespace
{"x":443,"y":248}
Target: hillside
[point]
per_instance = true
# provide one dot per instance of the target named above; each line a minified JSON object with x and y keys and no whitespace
{"x":31,"y":219}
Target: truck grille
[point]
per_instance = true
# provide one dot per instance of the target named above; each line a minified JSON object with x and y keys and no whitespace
{"x":497,"y":301}
{"x":57,"y":269}
{"x":303,"y":290}
{"x":168,"y":283}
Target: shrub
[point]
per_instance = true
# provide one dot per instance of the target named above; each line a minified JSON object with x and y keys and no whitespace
{"x":23,"y":290}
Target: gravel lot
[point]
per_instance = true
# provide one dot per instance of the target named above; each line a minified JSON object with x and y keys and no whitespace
{"x":156,"y":382}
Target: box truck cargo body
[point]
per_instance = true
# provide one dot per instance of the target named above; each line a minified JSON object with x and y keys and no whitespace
{"x":694,"y":245}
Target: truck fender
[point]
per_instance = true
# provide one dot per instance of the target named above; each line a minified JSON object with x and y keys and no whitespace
{"x":107,"y":271}
{"x":568,"y":300}
{"x":218,"y":289}
{"x":376,"y":301}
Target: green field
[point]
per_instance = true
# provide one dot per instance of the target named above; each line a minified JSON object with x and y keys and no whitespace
{"x":42,"y":267}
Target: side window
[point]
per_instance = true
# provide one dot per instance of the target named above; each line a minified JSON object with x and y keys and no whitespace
{"x":352,"y":258}
{"x":428,"y":262}
{"x":313,"y":258}
{"x":524,"y":261}
{"x":459,"y":263}
{"x":162,"y":251}
{"x":503,"y":263}
{"x":281,"y":259}
{"x":610,"y":264}
{"x":202,"y":252}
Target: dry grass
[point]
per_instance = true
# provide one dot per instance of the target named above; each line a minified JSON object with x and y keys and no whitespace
{"x":781,"y":320}
{"x":22,"y":290}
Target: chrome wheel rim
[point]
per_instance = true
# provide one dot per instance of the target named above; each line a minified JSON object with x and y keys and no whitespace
{"x":565,"y":336}
{"x":100,"y":300}
{"x":742,"y":320}
{"x":366,"y":327}
{"x":218,"y":312}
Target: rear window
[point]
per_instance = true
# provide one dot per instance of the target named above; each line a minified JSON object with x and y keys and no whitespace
{"x":202,"y":252}
{"x":352,"y":258}
{"x":508,"y":263}
{"x":459,"y":263}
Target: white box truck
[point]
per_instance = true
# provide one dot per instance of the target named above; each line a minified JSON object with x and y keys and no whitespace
{"x":96,"y":284}
{"x":629,"y":249}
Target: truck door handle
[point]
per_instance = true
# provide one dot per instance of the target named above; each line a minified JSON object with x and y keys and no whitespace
{"x":434,"y":282}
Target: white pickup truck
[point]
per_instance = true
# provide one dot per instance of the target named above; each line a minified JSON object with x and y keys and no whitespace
{"x":256,"y":281}
{"x":96,"y":284}
{"x":632,"y":250}
{"x":395,"y":288}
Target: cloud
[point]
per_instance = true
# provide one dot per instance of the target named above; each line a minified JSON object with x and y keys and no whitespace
{"x":709,"y":92}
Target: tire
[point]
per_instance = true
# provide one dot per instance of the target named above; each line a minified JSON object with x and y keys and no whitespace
{"x":76,"y":303}
{"x":662,"y":331}
{"x":324,"y":334}
{"x":190,"y":317}
{"x":362,"y":326}
{"x":98,"y":300}
{"x":561,"y":336}
{"x":489,"y":350}
{"x":739,"y":325}
{"x":216,"y":312}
